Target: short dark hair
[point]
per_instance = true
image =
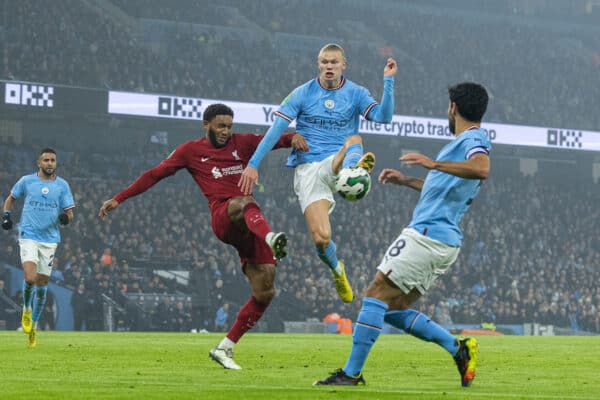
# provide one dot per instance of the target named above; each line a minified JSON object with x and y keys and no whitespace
{"x":470,"y":98}
{"x":47,"y":150}
{"x":216,"y":109}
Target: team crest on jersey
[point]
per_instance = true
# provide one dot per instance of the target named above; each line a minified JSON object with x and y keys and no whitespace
{"x":235,"y":155}
{"x":329,"y":104}
{"x":216,"y":173}
{"x":45,"y":190}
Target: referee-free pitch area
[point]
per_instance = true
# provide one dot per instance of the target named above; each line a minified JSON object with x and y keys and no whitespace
{"x":70,"y":365}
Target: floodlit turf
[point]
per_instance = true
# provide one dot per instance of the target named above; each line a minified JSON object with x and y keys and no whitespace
{"x":68,"y":365}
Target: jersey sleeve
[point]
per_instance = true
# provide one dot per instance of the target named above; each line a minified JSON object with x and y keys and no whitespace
{"x":174,"y":162}
{"x":247,"y":144}
{"x":365,"y":101}
{"x":18,"y":190}
{"x":476,"y":144}
{"x":292,"y":105}
{"x":384,"y":111}
{"x":288,"y":111}
{"x":272,"y":136}
{"x":66,"y":198}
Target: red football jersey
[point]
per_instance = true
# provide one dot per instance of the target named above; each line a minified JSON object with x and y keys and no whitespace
{"x":216,"y":170}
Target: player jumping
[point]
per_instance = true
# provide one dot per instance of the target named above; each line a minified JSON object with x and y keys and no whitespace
{"x":326,"y":110}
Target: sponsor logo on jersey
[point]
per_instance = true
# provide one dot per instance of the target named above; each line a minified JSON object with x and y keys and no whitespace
{"x":233,"y":170}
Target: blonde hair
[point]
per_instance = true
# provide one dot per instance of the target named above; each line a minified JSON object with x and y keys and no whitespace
{"x":333,"y":47}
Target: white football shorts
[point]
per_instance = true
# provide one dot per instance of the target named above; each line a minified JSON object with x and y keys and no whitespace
{"x":315,"y":181}
{"x":416,"y":261}
{"x":42,"y":254}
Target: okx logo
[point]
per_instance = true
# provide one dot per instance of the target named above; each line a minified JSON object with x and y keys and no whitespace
{"x":568,"y":139}
{"x":29,"y":95}
{"x":180,"y":107}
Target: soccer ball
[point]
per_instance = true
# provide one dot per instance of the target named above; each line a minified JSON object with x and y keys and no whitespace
{"x":353,"y":183}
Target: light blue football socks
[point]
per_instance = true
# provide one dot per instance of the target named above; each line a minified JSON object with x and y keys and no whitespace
{"x":366,"y":331}
{"x":353,"y":153}
{"x":39,"y":301}
{"x":329,"y":256}
{"x":422,"y":327}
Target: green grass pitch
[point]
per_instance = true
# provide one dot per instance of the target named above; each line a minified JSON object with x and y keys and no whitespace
{"x":69,"y":365}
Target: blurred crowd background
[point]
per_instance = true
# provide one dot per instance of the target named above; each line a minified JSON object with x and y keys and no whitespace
{"x":531,"y":251}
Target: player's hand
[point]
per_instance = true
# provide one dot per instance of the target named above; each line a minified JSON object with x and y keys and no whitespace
{"x":391,"y":67}
{"x":418,"y":159}
{"x":63,"y":219}
{"x":248,"y":179}
{"x":7,"y":223}
{"x":107,"y":207}
{"x":389,"y":175}
{"x":299,"y":142}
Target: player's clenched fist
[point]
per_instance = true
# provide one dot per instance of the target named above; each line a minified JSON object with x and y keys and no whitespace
{"x":391,"y":67}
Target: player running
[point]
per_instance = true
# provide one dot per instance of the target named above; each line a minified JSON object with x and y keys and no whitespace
{"x":215,"y":162}
{"x":48,"y":203}
{"x":430,"y":244}
{"x":326,"y":110}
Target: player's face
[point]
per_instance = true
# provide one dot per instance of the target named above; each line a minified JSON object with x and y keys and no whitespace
{"x":47,"y":163}
{"x":218,"y":130}
{"x":331,"y":66}
{"x":451,"y":118}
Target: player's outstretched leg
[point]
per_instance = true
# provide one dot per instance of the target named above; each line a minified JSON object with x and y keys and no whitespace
{"x":278,"y":243}
{"x":223,"y":357}
{"x":466,"y":360}
{"x":340,"y":378}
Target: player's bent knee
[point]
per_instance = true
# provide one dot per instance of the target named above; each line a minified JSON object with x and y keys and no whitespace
{"x":321,"y":239}
{"x":264,"y":296}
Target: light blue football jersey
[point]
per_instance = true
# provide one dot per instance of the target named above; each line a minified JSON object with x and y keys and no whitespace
{"x":444,"y":197}
{"x":325,"y":117}
{"x":44,"y":201}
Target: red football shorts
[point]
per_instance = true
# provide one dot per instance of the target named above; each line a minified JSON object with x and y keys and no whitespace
{"x":250,"y":248}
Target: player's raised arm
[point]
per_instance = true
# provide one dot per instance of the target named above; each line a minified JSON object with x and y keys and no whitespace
{"x":167,"y":167}
{"x":384,"y":111}
{"x":249,"y":177}
{"x":391,"y":67}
